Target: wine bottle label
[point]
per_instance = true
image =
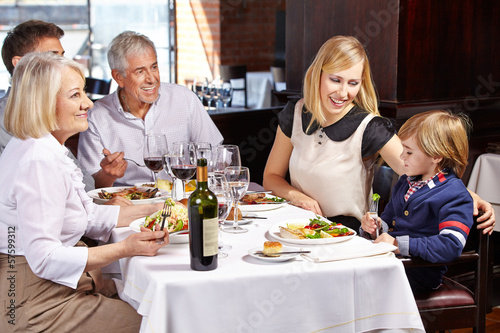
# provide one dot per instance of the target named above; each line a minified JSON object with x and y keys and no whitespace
{"x":210,"y":237}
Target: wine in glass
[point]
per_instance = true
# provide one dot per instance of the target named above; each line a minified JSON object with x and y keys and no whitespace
{"x":226,"y":156}
{"x":237,"y":178}
{"x":219,"y":187}
{"x":155,"y":145}
{"x":182,"y":163}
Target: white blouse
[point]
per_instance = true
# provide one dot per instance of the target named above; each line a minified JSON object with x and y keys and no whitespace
{"x":44,"y":209}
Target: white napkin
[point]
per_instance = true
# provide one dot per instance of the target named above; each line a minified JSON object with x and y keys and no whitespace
{"x":357,"y":247}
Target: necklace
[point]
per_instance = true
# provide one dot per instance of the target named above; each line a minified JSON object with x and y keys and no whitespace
{"x":122,"y":94}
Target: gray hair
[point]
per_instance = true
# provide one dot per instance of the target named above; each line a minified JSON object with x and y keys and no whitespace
{"x":125,"y":44}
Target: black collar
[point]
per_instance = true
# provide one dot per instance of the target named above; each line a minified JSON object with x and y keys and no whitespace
{"x":339,"y":131}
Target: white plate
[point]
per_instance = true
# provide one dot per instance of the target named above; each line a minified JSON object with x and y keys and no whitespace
{"x":94,"y":195}
{"x":149,"y":185}
{"x":175,"y":239}
{"x":260,"y":207}
{"x":275,"y":232}
{"x":283,"y":257}
{"x":248,"y":218}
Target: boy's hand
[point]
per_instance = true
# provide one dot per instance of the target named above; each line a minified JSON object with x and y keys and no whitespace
{"x":386,"y":238}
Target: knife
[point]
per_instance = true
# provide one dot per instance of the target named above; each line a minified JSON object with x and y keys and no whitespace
{"x":279,"y":253}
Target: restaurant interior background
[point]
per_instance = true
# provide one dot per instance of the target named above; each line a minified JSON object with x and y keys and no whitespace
{"x":424,"y":54}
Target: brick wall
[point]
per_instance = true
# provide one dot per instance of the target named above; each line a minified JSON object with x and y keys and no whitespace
{"x":211,"y":32}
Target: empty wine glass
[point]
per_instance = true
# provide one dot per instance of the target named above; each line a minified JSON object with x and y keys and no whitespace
{"x":237,"y":178}
{"x":182,"y":163}
{"x":199,"y":84}
{"x":155,"y":145}
{"x":226,"y":156}
{"x":225,"y":94}
{"x":214,"y":87}
{"x":219,"y":187}
{"x":204,"y":150}
{"x":207,"y":94}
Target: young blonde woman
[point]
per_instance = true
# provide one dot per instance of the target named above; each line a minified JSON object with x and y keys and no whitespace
{"x":329,"y":140}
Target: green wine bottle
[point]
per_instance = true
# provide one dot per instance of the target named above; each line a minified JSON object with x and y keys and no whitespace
{"x":203,"y":222}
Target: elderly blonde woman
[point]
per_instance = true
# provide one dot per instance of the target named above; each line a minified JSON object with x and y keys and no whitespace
{"x":47,"y":282}
{"x":330,"y":139}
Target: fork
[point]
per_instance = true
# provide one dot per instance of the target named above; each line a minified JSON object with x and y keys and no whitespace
{"x":165,"y":212}
{"x":130,"y":160}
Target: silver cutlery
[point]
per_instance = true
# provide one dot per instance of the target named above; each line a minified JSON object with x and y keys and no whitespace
{"x":280,"y":253}
{"x":130,"y":160}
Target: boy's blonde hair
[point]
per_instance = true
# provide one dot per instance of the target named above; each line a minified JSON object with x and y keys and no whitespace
{"x":31,"y":106}
{"x":440,"y":133}
{"x":337,"y":54}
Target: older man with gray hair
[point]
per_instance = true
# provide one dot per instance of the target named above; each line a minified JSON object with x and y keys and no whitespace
{"x":142,"y":104}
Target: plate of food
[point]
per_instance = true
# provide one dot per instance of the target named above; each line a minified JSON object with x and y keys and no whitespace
{"x":312,"y":231}
{"x":137,"y":195}
{"x":166,"y":185}
{"x":177,"y":221}
{"x":268,"y":252}
{"x":257,"y":202}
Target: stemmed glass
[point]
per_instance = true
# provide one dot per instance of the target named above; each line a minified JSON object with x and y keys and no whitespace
{"x":199,"y":85}
{"x":214,"y":91}
{"x":155,"y":145}
{"x":218,"y":185}
{"x":226,"y":156}
{"x":182,"y":163}
{"x":237,"y":178}
{"x":207,"y":94}
{"x":225,"y":93}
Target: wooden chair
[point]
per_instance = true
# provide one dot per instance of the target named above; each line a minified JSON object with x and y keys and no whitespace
{"x":97,"y":87}
{"x":233,"y":72}
{"x":454,"y":306}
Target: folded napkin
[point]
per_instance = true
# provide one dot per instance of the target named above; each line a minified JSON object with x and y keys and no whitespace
{"x":356,"y":247}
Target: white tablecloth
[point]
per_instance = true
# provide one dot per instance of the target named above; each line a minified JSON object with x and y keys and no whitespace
{"x":485,"y":181}
{"x":245,"y":294}
{"x":259,"y":87}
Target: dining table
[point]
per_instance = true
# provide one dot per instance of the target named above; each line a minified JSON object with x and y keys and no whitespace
{"x":346,"y":285}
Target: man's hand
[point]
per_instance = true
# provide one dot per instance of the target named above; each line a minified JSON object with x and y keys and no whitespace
{"x":113,"y":166}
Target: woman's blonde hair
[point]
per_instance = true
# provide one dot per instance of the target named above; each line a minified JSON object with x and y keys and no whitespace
{"x":337,"y":54}
{"x":440,"y":133}
{"x":31,"y":106}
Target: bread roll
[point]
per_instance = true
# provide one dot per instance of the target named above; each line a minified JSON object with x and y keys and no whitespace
{"x":272,"y":247}
{"x":230,"y":217}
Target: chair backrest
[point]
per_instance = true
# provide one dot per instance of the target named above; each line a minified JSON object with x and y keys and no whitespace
{"x":278,"y":75}
{"x":384,"y":178}
{"x":97,"y":87}
{"x":453,"y":306}
{"x":234,"y":72}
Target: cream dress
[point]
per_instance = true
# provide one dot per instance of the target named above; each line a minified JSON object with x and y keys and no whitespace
{"x":332,"y":173}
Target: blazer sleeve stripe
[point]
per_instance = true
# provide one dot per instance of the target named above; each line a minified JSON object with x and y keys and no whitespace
{"x":455,"y":233}
{"x":456,"y":224}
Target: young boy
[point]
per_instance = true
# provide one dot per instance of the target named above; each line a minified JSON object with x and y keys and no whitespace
{"x":430,"y":212}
